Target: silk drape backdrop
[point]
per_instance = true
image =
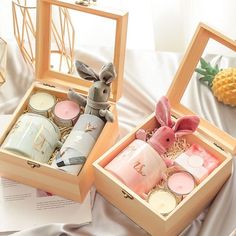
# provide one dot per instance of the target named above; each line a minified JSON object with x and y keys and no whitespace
{"x":161,"y":25}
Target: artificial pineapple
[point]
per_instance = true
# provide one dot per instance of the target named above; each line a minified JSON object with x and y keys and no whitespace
{"x":221,"y":81}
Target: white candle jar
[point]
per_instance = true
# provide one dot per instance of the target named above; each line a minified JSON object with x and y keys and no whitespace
{"x":33,"y":136}
{"x":41,"y":103}
{"x":162,"y":201}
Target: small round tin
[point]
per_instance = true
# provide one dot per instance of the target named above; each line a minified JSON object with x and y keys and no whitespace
{"x":41,"y":103}
{"x":181,"y":183}
{"x":66,"y":113}
{"x":33,"y":136}
{"x":162,"y":201}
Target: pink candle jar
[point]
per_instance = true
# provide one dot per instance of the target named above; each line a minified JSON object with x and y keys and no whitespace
{"x":139,"y":167}
{"x":197,"y":161}
{"x":66,"y":113}
{"x":181,"y":183}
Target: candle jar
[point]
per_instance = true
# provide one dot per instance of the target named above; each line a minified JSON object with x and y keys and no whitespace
{"x":162,"y":201}
{"x":66,"y":113}
{"x":138,"y":166}
{"x":180,"y":183}
{"x":79,"y":143}
{"x":41,"y":103}
{"x":197,"y":161}
{"x":33,"y":136}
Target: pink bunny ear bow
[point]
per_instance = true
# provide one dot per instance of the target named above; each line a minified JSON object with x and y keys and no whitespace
{"x":163,"y":114}
{"x":165,"y":135}
{"x":186,"y":125}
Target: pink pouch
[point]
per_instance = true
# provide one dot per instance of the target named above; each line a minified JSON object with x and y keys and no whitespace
{"x":138,"y":166}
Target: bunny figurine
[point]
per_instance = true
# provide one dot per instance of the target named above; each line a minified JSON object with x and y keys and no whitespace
{"x":98,"y":94}
{"x":164,"y":137}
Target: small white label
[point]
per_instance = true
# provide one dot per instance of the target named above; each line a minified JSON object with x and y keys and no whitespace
{"x":195,"y":161}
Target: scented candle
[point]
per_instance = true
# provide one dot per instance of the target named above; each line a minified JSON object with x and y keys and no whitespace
{"x":181,"y":183}
{"x":66,"y":113}
{"x":33,"y":136}
{"x":162,"y":201}
{"x":197,"y":161}
{"x":41,"y":103}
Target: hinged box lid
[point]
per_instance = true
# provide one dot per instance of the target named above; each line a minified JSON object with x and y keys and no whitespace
{"x":43,"y":46}
{"x":184,"y":74}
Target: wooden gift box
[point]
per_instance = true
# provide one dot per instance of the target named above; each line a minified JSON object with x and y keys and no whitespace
{"x":207,"y":135}
{"x":43,"y":176}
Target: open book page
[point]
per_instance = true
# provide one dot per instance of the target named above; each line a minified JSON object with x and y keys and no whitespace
{"x":23,"y":207}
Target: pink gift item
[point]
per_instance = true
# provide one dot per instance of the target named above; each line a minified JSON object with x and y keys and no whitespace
{"x":164,"y":137}
{"x":197,"y":161}
{"x":138,"y":166}
{"x":181,"y":183}
{"x":66,"y":113}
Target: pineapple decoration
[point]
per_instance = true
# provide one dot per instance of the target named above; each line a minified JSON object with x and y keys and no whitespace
{"x":221,"y":81}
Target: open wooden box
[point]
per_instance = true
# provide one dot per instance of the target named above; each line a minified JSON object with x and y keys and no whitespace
{"x":208,"y":136}
{"x":41,"y":175}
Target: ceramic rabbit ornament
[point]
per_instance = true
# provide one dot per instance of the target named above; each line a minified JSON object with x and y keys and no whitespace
{"x":97,"y":101}
{"x":165,"y":136}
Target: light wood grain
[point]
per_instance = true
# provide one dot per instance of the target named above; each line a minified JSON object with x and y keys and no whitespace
{"x":206,"y":135}
{"x":43,"y":70}
{"x":45,"y":177}
{"x":184,"y":74}
{"x":139,"y":210}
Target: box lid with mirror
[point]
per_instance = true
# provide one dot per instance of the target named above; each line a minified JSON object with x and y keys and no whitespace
{"x":185,"y":74}
{"x":32,"y":145}
{"x":150,"y":186}
{"x":115,"y":21}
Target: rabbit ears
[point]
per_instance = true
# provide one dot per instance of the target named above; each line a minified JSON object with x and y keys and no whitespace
{"x":163,"y":112}
{"x":184,"y":125}
{"x":107,"y":73}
